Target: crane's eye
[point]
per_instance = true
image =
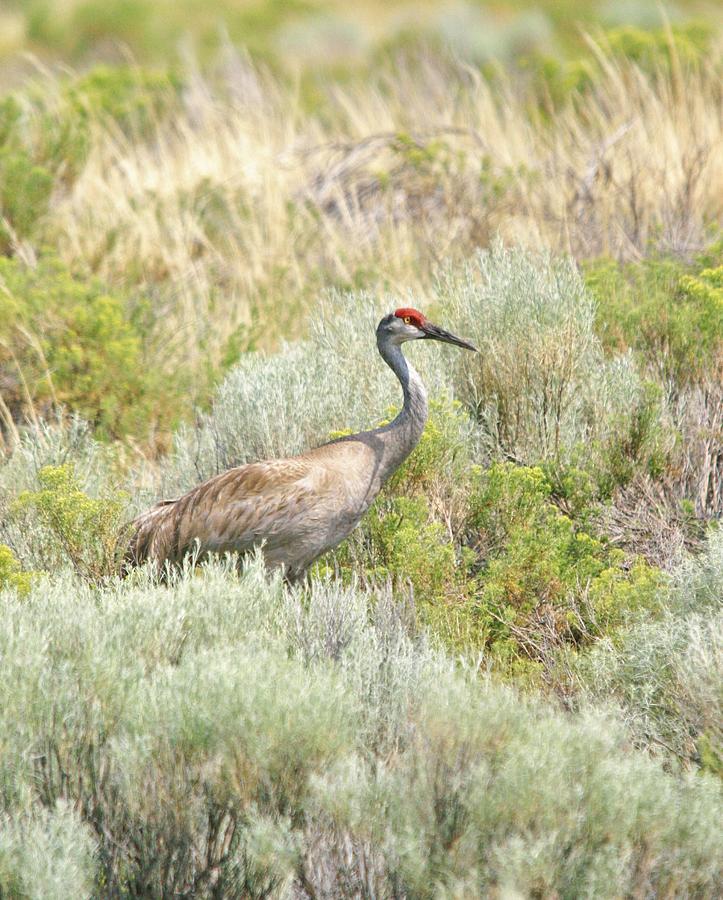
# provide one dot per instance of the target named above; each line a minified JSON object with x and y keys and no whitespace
{"x":407,"y":320}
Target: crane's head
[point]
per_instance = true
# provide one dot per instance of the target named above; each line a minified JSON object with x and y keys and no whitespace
{"x":407,"y":324}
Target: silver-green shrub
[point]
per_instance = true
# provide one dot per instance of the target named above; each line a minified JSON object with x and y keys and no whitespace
{"x":495,"y":793}
{"x":667,"y":675}
{"x":46,"y":854}
{"x":223,"y":736}
{"x":540,"y":386}
{"x":55,"y":443}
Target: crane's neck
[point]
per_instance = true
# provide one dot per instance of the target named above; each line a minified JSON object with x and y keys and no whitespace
{"x":402,"y":435}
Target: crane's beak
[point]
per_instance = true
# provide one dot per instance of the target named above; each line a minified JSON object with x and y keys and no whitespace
{"x":433,"y":332}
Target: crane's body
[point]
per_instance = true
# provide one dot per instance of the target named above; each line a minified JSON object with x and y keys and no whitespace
{"x":296,"y":508}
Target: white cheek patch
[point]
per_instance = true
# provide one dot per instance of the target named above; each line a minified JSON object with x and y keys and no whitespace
{"x":408,"y":333}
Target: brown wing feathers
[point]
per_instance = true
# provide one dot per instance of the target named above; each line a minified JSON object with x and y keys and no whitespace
{"x":297,"y":507}
{"x":225,"y":512}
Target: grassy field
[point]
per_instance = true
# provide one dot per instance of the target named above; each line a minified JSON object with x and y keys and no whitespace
{"x":508,"y":682}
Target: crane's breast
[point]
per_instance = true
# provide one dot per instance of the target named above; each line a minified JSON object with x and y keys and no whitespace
{"x":324,"y":505}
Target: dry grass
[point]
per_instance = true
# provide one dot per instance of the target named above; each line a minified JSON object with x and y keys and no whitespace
{"x":243,"y":206}
{"x":662,"y":518}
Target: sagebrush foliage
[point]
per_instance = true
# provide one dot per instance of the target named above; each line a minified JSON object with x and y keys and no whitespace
{"x":256,"y":740}
{"x":46,"y":853}
{"x":666,"y":674}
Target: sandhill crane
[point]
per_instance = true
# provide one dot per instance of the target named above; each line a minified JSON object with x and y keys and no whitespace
{"x":296,"y":508}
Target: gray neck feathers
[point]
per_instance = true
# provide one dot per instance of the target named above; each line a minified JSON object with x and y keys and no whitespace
{"x":402,"y":435}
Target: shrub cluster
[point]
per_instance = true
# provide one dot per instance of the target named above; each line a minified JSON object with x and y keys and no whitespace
{"x":231,"y":202}
{"x":547,"y":579}
{"x":666,"y":674}
{"x":59,"y":502}
{"x":656,"y":51}
{"x":66,"y":341}
{"x":516,"y":559}
{"x":11,"y":574}
{"x":25,"y":183}
{"x":509,"y":558}
{"x":671,"y":314}
{"x":257,"y":742}
{"x":86,"y":531}
{"x":46,"y":137}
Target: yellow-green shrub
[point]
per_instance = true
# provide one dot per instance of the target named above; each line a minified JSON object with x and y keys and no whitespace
{"x":505,"y":559}
{"x":25,"y":184}
{"x":44,"y":141}
{"x":443,"y":455}
{"x":544,"y":579}
{"x":11,"y":574}
{"x":134,"y":98}
{"x":669,"y":313}
{"x":686,"y":43}
{"x":558,"y":80}
{"x":86,"y":530}
{"x":67,"y":340}
{"x":404,"y":542}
